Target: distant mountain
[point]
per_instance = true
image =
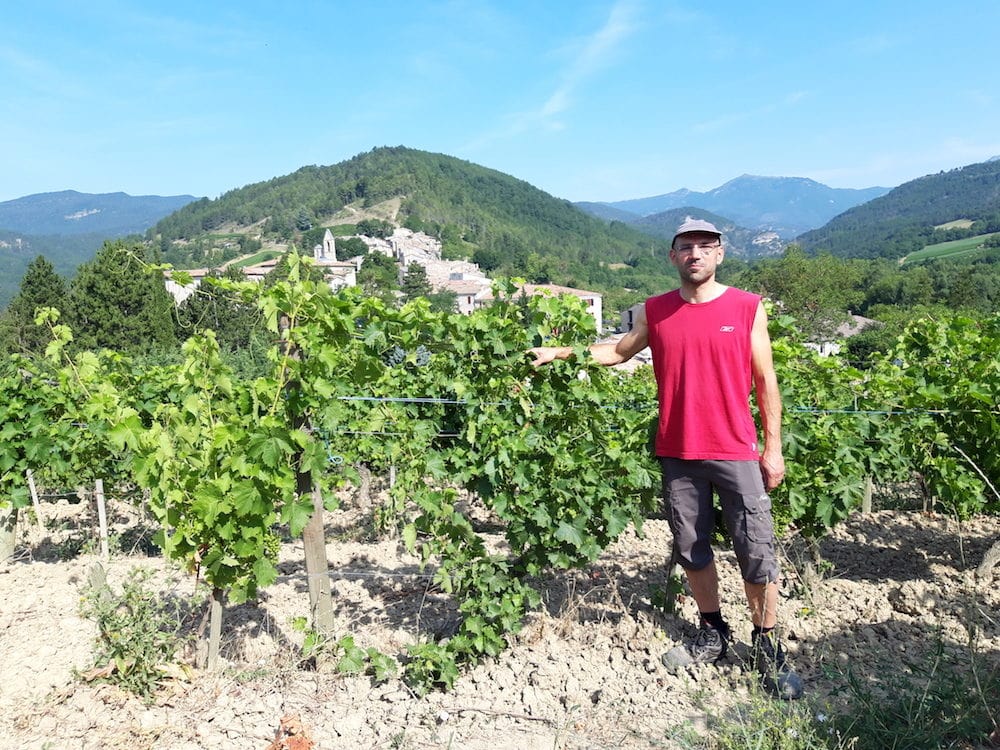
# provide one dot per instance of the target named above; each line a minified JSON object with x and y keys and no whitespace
{"x":607,"y":212}
{"x":787,"y":206}
{"x":64,"y":252}
{"x":71,"y":213}
{"x":948,"y":205}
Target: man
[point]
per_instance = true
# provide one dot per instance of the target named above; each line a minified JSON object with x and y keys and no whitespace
{"x":710,"y":346}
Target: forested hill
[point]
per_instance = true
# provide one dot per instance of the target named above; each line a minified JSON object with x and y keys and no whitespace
{"x":475,"y":210}
{"x":915,"y":214}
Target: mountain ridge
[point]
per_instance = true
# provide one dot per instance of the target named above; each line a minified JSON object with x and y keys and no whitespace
{"x":70,"y":212}
{"x":912,"y":215}
{"x":787,"y":206}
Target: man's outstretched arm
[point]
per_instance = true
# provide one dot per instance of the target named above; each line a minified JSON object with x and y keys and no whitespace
{"x":606,"y":354}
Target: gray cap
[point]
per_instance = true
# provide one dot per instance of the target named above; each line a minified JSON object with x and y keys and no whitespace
{"x":691,"y":224}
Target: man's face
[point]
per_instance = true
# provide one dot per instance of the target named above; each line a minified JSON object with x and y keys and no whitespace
{"x":696,"y":256}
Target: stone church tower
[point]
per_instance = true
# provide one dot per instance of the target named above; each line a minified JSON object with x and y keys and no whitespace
{"x":328,"y":250}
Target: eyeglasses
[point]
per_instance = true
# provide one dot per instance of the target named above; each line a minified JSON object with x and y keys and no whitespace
{"x":691,"y":247}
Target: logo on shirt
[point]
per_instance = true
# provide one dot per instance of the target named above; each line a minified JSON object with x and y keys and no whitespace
{"x":727,"y":329}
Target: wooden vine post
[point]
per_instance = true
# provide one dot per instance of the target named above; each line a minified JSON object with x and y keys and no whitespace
{"x":313,"y":535}
{"x":866,"y":500}
{"x":8,"y":531}
{"x":217,"y":606}
{"x":317,"y":566}
{"x":102,"y":518}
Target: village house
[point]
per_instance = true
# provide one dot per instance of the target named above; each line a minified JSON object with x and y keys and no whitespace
{"x":472,"y":288}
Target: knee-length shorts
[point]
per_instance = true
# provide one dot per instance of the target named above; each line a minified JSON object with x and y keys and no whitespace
{"x":688,"y":487}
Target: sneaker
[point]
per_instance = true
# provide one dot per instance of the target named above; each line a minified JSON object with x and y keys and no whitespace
{"x":778,"y":678}
{"x":708,"y":646}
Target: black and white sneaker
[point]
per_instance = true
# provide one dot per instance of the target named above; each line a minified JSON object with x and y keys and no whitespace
{"x":777,"y":677}
{"x":708,"y":646}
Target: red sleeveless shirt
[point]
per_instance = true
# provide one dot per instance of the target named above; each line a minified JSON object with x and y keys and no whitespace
{"x":701,"y":359}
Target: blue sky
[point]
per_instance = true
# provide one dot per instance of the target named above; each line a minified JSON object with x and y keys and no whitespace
{"x":587,"y":100}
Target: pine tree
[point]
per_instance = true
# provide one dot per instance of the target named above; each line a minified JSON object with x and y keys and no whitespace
{"x":40,"y":287}
{"x":116,"y":302}
{"x":415,"y":283}
{"x":379,"y":276}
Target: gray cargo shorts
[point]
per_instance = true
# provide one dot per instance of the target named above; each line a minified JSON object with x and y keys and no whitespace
{"x":746,"y":510}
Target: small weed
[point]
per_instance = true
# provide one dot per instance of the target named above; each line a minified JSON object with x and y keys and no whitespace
{"x":246,"y":676}
{"x":943,"y":702}
{"x":353,"y":659}
{"x":685,"y":735}
{"x":757,"y":721}
{"x":668,"y":598}
{"x":769,"y":724}
{"x":138,"y":633}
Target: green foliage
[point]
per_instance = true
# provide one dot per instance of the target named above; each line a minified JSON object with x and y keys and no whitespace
{"x":818,"y":292}
{"x":350,"y":248}
{"x":556,"y":458}
{"x":468,"y":207}
{"x":44,"y":402}
{"x":762,"y":723}
{"x":40,"y":287}
{"x":117,"y":301}
{"x":138,"y":633}
{"x":379,"y":228}
{"x":351,"y":658}
{"x":378,"y":276}
{"x":947,"y":371}
{"x":927,"y":407}
{"x":283,"y":269}
{"x":415,"y":283}
{"x":228,"y":309}
{"x":494,"y":425}
{"x":219,"y":460}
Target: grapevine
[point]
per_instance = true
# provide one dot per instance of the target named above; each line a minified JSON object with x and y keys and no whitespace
{"x":558,"y":458}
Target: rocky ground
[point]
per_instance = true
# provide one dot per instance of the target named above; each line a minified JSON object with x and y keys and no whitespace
{"x":892,"y":589}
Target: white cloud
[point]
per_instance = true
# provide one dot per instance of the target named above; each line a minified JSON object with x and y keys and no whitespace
{"x":586,"y":57}
{"x":767,"y":108}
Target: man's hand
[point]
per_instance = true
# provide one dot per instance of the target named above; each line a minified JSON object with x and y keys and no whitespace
{"x":772,"y":469}
{"x":545,"y":354}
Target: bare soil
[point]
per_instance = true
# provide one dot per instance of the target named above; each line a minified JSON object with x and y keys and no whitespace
{"x":585,"y":672}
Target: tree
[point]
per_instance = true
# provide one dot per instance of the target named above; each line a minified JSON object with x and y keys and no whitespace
{"x":40,"y":287}
{"x":443,"y":301}
{"x":234,"y":321}
{"x":351,"y":247}
{"x":116,"y":301}
{"x":378,"y":276}
{"x":375,"y":228}
{"x":303,"y":221}
{"x":820,"y":292}
{"x":281,"y":268}
{"x":415,"y":283}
